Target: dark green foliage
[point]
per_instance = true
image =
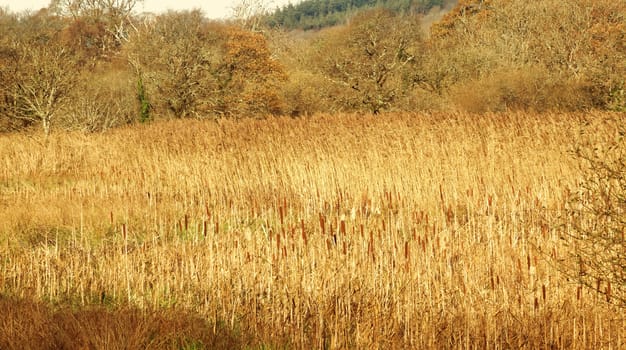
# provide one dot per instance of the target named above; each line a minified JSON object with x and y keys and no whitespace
{"x":316,"y":14}
{"x":144,"y":102}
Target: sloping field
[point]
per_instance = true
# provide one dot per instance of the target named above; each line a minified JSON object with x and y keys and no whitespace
{"x":394,"y":231}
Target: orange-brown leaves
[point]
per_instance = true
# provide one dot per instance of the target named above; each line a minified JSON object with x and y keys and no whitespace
{"x":248,"y":52}
{"x":464,"y":9}
{"x":199,"y":68}
{"x":253,"y":74}
{"x":87,"y":39}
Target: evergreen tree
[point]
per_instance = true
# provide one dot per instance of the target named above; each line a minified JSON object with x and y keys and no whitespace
{"x":316,"y":14}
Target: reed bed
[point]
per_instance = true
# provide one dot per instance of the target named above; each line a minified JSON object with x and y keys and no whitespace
{"x":343,"y":231}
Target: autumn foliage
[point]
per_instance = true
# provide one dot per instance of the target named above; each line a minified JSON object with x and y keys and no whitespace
{"x":253,"y":77}
{"x":106,"y":65}
{"x":541,"y":55}
{"x":191,"y":67}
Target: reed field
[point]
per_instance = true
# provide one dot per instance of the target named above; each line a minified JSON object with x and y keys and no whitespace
{"x":394,"y":231}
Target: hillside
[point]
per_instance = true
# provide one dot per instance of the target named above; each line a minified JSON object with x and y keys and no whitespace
{"x":316,"y":14}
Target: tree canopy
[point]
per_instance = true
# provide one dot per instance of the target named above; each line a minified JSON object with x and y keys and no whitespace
{"x":91,"y":70}
{"x":317,"y":14}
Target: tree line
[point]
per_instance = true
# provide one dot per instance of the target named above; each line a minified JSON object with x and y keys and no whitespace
{"x":93,"y":65}
{"x":317,"y":14}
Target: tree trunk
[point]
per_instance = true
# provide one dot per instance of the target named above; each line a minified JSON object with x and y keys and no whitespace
{"x":46,"y":124}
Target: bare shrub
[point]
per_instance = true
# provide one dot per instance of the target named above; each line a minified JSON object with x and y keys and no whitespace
{"x":578,"y":45}
{"x":97,"y":107}
{"x":596,"y":215}
{"x":519,"y":88}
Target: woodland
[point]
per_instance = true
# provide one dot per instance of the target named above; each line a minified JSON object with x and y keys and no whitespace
{"x":94,"y":65}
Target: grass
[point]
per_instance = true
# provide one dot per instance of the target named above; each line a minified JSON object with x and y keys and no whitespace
{"x":343,"y":231}
{"x":32,"y":325}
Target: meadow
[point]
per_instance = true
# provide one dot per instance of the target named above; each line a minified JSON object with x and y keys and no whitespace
{"x":346,"y":231}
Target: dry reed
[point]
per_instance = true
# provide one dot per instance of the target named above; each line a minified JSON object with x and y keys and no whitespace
{"x":344,"y":231}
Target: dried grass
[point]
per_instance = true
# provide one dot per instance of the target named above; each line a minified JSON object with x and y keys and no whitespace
{"x":343,"y":231}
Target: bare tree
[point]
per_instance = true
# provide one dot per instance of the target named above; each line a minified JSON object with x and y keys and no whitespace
{"x":372,"y":59}
{"x":192,"y":67}
{"x":595,"y":226}
{"x":173,"y":60}
{"x":37,"y":72}
{"x":249,"y":13}
{"x":114,"y":16}
{"x":43,"y":81}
